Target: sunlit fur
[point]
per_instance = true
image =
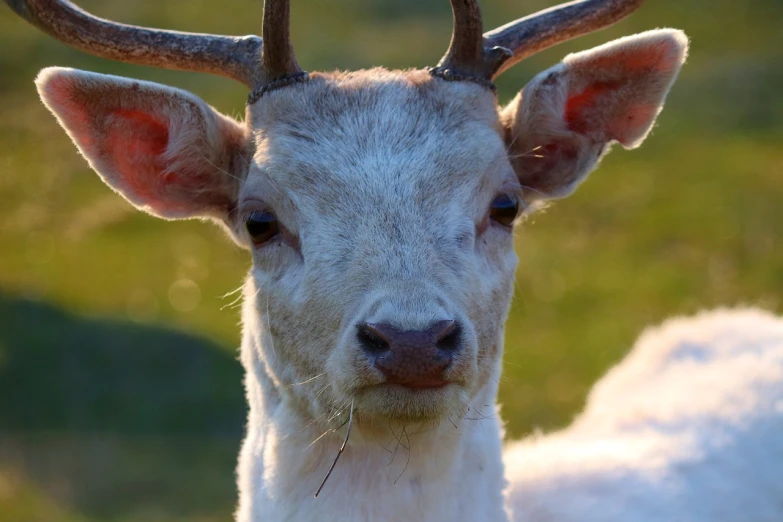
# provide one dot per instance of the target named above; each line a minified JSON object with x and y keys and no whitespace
{"x":381,"y":182}
{"x":688,"y":427}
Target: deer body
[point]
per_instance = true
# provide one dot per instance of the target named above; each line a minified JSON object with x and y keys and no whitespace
{"x":687,"y":427}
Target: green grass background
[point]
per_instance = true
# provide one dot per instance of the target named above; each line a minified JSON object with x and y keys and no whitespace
{"x":115,"y":405}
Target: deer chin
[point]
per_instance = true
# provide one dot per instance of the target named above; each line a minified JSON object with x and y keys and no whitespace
{"x":386,"y":402}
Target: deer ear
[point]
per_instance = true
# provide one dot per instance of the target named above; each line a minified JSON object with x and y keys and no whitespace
{"x":163,"y":149}
{"x":564,"y":120}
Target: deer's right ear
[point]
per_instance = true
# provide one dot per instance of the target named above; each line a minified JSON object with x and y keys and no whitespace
{"x":163,"y":149}
{"x":566,"y":118}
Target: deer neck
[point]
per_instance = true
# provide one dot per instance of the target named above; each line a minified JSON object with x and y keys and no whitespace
{"x":449,"y":470}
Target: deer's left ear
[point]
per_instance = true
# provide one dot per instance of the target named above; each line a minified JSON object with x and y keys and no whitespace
{"x":564,"y":120}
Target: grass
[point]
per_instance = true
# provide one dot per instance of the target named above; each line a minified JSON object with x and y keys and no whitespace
{"x":96,"y":424}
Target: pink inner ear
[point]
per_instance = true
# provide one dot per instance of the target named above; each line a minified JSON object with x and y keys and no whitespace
{"x":605,"y":110}
{"x":632,"y":122}
{"x":135,"y":140}
{"x":624,"y":107}
{"x":151,"y":134}
{"x":579,"y":106}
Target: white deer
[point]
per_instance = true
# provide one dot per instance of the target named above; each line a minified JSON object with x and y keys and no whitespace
{"x":378,"y":207}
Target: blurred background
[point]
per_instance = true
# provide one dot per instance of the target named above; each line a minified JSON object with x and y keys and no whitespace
{"x":120,"y":393}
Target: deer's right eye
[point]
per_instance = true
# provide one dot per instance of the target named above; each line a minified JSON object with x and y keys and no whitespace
{"x":262,"y":227}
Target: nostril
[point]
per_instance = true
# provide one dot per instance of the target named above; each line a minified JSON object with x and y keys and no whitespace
{"x":370,"y":339}
{"x":450,"y":338}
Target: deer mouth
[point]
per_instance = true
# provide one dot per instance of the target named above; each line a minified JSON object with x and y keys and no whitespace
{"x":411,"y":401}
{"x":424,"y":384}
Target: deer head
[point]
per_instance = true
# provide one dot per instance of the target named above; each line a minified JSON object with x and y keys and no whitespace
{"x":378,"y":205}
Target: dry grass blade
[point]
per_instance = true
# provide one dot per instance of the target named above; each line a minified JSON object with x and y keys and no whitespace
{"x":340,"y":452}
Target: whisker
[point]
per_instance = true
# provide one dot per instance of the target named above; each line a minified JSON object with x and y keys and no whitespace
{"x":394,"y":454}
{"x":531,"y":189}
{"x":218,"y":168}
{"x":266,"y":322}
{"x":434,"y":426}
{"x":409,"y":454}
{"x":384,"y":448}
{"x":326,"y":387}
{"x":232,"y":292}
{"x":233,"y":303}
{"x":322,"y":435}
{"x":513,"y":141}
{"x":311,"y":379}
{"x":337,"y":414}
{"x":243,"y":158}
{"x":529,"y":154}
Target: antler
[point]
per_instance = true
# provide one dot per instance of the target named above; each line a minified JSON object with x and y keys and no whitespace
{"x":484,"y":57}
{"x":238,"y":57}
{"x":278,"y":54}
{"x":466,"y":50}
{"x":470,"y":54}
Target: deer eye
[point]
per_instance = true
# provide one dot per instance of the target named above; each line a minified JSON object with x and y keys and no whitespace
{"x":262,"y":226}
{"x":504,"y":210}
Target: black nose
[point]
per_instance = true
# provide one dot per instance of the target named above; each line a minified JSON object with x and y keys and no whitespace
{"x":411,"y":357}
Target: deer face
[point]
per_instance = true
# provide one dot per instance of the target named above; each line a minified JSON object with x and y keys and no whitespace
{"x":378,"y":205}
{"x":391,"y":267}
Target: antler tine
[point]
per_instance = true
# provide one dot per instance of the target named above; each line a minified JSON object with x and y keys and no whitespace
{"x":482,"y":58}
{"x":466,"y":50}
{"x":230,"y":56}
{"x":547,"y":28}
{"x":278,"y":57}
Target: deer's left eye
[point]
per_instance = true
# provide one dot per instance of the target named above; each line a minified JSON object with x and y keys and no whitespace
{"x":504,"y":210}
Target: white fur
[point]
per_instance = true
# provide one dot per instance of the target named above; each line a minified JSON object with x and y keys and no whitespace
{"x":688,"y":427}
